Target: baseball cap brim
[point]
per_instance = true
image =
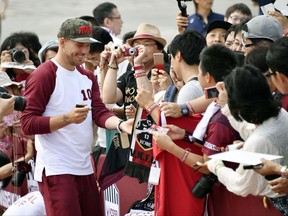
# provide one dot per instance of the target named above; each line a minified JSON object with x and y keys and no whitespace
{"x":218,"y":24}
{"x":85,"y":40}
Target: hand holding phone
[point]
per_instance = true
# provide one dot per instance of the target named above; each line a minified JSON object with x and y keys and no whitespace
{"x":211,"y":92}
{"x":257,"y":166}
{"x":158,"y":61}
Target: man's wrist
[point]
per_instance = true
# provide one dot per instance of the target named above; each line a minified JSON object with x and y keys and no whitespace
{"x":118,"y":126}
{"x":65,"y":119}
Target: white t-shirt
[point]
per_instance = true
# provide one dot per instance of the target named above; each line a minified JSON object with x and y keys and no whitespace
{"x":30,"y":204}
{"x":191,"y":90}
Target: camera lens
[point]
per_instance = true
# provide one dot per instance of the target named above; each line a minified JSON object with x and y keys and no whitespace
{"x":20,"y":103}
{"x":204,"y":185}
{"x":18,"y":56}
{"x":132,"y":51}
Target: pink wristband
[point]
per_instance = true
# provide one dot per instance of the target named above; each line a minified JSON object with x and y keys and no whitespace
{"x":151,"y":108}
{"x":185,"y":155}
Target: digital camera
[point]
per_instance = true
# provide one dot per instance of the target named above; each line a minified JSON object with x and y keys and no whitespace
{"x":20,"y":102}
{"x":18,"y":56}
{"x":131,"y":52}
{"x":21,"y":169}
{"x":112,"y":46}
{"x":204,"y":185}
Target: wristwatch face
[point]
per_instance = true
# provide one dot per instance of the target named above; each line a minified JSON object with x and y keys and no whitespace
{"x":185,"y":111}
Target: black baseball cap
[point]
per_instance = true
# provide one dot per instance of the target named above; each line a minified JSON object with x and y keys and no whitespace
{"x":218,"y":24}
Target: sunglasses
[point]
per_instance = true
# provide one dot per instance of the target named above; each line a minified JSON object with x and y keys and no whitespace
{"x":269,"y":74}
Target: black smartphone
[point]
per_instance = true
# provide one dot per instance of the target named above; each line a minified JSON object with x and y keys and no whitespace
{"x":79,"y":106}
{"x":272,"y":177}
{"x":257,"y":166}
{"x":211,"y":92}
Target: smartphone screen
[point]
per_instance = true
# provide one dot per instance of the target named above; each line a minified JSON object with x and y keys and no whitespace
{"x":159,"y":61}
{"x":211,"y":92}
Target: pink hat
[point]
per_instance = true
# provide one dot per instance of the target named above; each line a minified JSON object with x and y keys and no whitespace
{"x":147,"y":31}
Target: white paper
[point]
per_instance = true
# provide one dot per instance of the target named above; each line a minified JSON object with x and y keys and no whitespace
{"x":154,"y":175}
{"x":244,"y":157}
{"x":17,"y":65}
{"x":282,"y":6}
{"x":267,"y":8}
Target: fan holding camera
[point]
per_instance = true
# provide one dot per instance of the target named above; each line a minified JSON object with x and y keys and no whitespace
{"x":17,"y":58}
{"x":12,"y":140}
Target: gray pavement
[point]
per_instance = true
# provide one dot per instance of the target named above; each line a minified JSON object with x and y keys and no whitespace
{"x":44,"y":17}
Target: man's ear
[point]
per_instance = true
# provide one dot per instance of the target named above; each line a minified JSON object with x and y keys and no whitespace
{"x":178,"y":56}
{"x":209,"y":78}
{"x":61,"y":41}
{"x":106,"y":22}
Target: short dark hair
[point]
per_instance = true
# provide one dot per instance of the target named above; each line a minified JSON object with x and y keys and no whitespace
{"x":103,"y":11}
{"x":190,"y":44}
{"x":239,"y":27}
{"x":101,"y":35}
{"x":127,"y":36}
{"x":249,"y":95}
{"x":257,"y":58}
{"x":242,"y":8}
{"x":90,"y":19}
{"x":218,"y":61}
{"x":277,"y":56}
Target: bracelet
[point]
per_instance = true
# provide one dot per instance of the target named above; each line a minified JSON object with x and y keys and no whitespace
{"x":188,"y":136}
{"x":151,"y":108}
{"x":118,"y":126}
{"x":185,"y":155}
{"x":114,"y":68}
{"x":191,"y":111}
{"x":141,"y":74}
{"x":139,"y":67}
{"x":284,"y":172}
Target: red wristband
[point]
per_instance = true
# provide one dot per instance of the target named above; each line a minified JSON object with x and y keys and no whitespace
{"x":191,"y":111}
{"x":139,"y":67}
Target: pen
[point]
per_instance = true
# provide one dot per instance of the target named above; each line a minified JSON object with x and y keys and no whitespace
{"x":198,"y":167}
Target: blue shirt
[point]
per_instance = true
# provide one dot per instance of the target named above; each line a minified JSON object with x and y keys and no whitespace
{"x":197,"y":23}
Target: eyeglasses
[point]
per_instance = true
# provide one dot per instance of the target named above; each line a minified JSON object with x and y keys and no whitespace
{"x":236,"y":18}
{"x":145,"y":44}
{"x":238,"y":44}
{"x":269,"y":73}
{"x":118,"y":17}
{"x":248,"y":45}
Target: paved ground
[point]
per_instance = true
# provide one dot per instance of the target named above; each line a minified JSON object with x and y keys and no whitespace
{"x":44,"y":17}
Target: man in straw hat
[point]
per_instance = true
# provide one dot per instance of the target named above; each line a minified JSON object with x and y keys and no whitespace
{"x":63,"y":100}
{"x":146,"y":42}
